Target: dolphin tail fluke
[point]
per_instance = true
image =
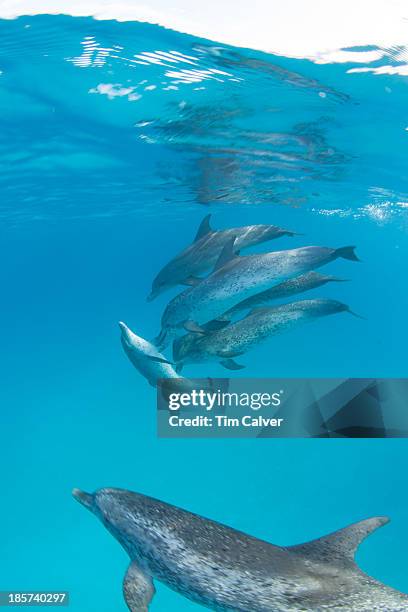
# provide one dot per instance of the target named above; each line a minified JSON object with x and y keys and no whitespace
{"x":347,"y":253}
{"x":340,"y":547}
{"x":336,"y":279}
{"x":355,"y":314}
{"x":138,"y":589}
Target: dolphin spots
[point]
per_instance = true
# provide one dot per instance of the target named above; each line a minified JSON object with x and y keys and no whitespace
{"x":153,"y":366}
{"x":228,"y":296}
{"x":236,"y":278}
{"x":298,"y":284}
{"x":258,"y":326}
{"x":145,"y":357}
{"x":188,"y":266}
{"x":230,"y":570}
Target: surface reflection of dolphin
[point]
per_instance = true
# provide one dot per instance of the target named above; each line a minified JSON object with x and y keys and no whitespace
{"x":234,"y":59}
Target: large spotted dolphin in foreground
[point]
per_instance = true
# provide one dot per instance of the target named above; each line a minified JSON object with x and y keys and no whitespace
{"x":229,"y":571}
{"x":259,"y":325}
{"x":202,"y":254}
{"x":238,"y":278}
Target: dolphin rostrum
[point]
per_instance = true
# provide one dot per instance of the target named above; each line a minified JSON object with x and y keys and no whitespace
{"x":229,"y":571}
{"x":292,"y":286}
{"x":201,"y":255}
{"x":238,"y":278}
{"x":259,"y":325}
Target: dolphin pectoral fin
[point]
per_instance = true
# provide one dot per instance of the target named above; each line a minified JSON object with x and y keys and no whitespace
{"x":192,"y":281}
{"x":230,"y":364}
{"x":138,"y":589}
{"x":336,"y":279}
{"x":355,"y":314}
{"x":159,"y":359}
{"x":339,"y":548}
{"x":192,"y":326}
{"x":204,"y":228}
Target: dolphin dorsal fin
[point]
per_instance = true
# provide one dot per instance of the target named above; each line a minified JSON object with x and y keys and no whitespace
{"x":204,"y":229}
{"x":227,"y":254}
{"x":339,"y":547}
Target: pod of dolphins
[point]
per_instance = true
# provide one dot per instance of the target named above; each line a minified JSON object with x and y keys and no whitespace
{"x":225,"y":314}
{"x":226,"y":310}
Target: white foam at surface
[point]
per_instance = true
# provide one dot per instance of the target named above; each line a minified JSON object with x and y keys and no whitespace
{"x":314,"y":29}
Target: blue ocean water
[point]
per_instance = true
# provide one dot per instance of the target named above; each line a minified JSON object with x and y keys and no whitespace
{"x":117,"y":139}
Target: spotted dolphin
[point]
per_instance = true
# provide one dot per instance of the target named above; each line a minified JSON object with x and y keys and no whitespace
{"x":237,"y":278}
{"x":155,"y":367}
{"x":292,"y":286}
{"x":145,"y":357}
{"x":259,"y":325}
{"x":227,"y":570}
{"x":201,"y":255}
